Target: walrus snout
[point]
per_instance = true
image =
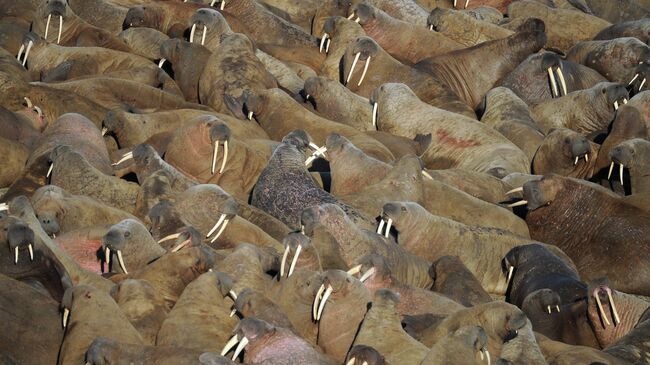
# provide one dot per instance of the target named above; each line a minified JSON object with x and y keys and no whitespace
{"x":49,"y":223}
{"x":435,"y":18}
{"x":513,"y":325}
{"x":616,"y":95}
{"x":392,"y":210}
{"x":309,"y":219}
{"x":579,"y":146}
{"x":364,"y":13}
{"x":534,"y":195}
{"x":115,"y":239}
{"x":56,"y":7}
{"x":20,"y":235}
{"x":101,"y":351}
{"x":59,"y":151}
{"x":219,"y":132}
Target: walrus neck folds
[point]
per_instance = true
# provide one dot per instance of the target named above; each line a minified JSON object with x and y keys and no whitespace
{"x":240,"y":7}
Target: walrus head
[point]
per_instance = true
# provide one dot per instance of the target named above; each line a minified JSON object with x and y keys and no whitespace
{"x":219,"y":134}
{"x":614,"y":93}
{"x":363,"y":13}
{"x":337,"y":283}
{"x":31,"y":41}
{"x":249,"y":331}
{"x":48,"y":205}
{"x":542,"y":301}
{"x":298,"y":138}
{"x":634,"y":155}
{"x":640,"y":78}
{"x":538,"y":193}
{"x":562,"y":151}
{"x":327,"y":10}
{"x":144,"y":155}
{"x":380,"y":96}
{"x":602,"y":305}
{"x":118,"y":238}
{"x":362,"y":354}
{"x":139,"y":16}
{"x":298,"y":243}
{"x":364,"y":49}
{"x":372,"y":270}
{"x":20,"y":237}
{"x":207,"y":20}
{"x":437,"y":19}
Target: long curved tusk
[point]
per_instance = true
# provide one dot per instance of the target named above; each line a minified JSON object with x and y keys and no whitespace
{"x":214,"y":228}
{"x":367,"y":274}
{"x":284,"y":260}
{"x":314,"y":309}
{"x":192,"y":33}
{"x":365,"y":69}
{"x":170,"y":237}
{"x":223,"y":227}
{"x":120,"y":260}
{"x":242,"y":343}
{"x":322,"y":42}
{"x":551,"y":77}
{"x":519,"y":203}
{"x":205,"y":32}
{"x":161,"y":63}
{"x":294,"y":261}
{"x":29,"y":48}
{"x":620,"y":172}
{"x":180,"y":246}
{"x":354,"y":64}
{"x":58,"y":38}
{"x":229,"y":345}
{"x":16,"y":255}
{"x":47,"y":25}
{"x":617,"y":319}
{"x":515,"y":190}
{"x":326,"y":296}
{"x":611,"y":168}
{"x":225,"y":156}
{"x":600,"y":309}
{"x":327,"y":47}
{"x":215,"y":153}
{"x":390,"y":223}
{"x":560,"y":75}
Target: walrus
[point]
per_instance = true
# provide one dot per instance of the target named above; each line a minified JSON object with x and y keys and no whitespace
{"x":405,"y":41}
{"x":495,"y":58}
{"x":632,"y":154}
{"x":631,"y":347}
{"x":562,"y":354}
{"x":22,"y":127}
{"x":387,"y":69}
{"x":261,"y":341}
{"x":80,"y":304}
{"x":336,"y":33}
{"x":279,"y":114}
{"x":616,"y":59}
{"x":103,"y":350}
{"x":100,"y":13}
{"x":253,"y":304}
{"x":510,"y":116}
{"x":304,"y":255}
{"x":463,"y":29}
{"x":556,"y":196}
{"x":562,"y":152}
{"x":567,"y":112}
{"x":142,"y":305}
{"x":455,"y":141}
{"x":463,"y":346}
{"x":405,"y":10}
{"x":144,"y":42}
{"x":583,"y":26}
{"x":235,"y":57}
{"x":188,"y":61}
{"x":632,"y":28}
{"x":249,"y":264}
{"x":286,"y":175}
{"x":166,"y":17}
{"x":35,"y":317}
{"x":56,"y":21}
{"x":129,"y":242}
{"x":279,"y":38}
{"x":626,"y":10}
{"x":546,"y":75}
{"x":200,"y":318}
{"x":73,"y":173}
{"x":452,"y":278}
{"x":16,"y":156}
{"x":382,"y":330}
{"x":61,"y":212}
{"x":354,"y":242}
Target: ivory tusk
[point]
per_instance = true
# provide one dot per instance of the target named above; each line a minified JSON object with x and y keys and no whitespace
{"x":215,"y":153}
{"x":352,"y":361}
{"x":214,"y":228}
{"x":365,"y":69}
{"x":16,"y":255}
{"x":107,"y":256}
{"x":322,"y":42}
{"x":47,"y":25}
{"x":560,"y":75}
{"x":242,"y":343}
{"x":127,"y":156}
{"x":170,"y":237}
{"x":466,"y":3}
{"x":205,"y":32}
{"x":66,"y":314}
{"x":284,"y":260}
{"x":551,"y":77}
{"x":30,"y":248}
{"x":375,"y":108}
{"x":20,"y":53}
{"x":431,"y":27}
{"x":640,"y":86}
{"x":427,"y":175}
{"x":515,"y":190}
{"x":575,"y":162}
{"x":192,"y":33}
{"x":381,"y":226}
{"x":390,"y":223}
{"x":230,"y":344}
{"x":354,"y":64}
{"x":355,"y":270}
{"x":367,"y":274}
{"x":58,"y":39}
{"x":616,"y":105}
{"x":511,"y":269}
{"x":600,"y":309}
{"x":294,"y":261}
{"x":634,"y":78}
{"x":617,"y":319}
{"x":120,"y":260}
{"x":223,"y":227}
{"x":620,"y":172}
{"x":233,"y":296}
{"x":161,"y":63}
{"x":519,"y":203}
{"x":225,"y":156}
{"x":327,"y":47}
{"x":611,"y":168}
{"x":180,"y":246}
{"x":223,"y":5}
{"x":326,"y":296}
{"x":104,"y":131}
{"x":314,"y":308}
{"x":49,"y":170}
{"x":29,"y":47}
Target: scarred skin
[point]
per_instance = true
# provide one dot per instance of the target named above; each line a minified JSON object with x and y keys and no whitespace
{"x":382,"y":318}
{"x":495,"y":59}
{"x":591,"y":217}
{"x":413,"y":301}
{"x":510,"y":116}
{"x":60,"y":212}
{"x":583,"y":26}
{"x":279,"y":38}
{"x":558,"y":151}
{"x":170,"y":274}
{"x":455,"y":141}
{"x":567,"y":111}
{"x":631,"y":310}
{"x":354,"y":243}
{"x":384,"y":68}
{"x":425,"y":235}
{"x":191,"y":150}
{"x":84,"y":303}
{"x":200,"y":318}
{"x":530,"y":79}
{"x":452,"y":278}
{"x":405,"y":41}
{"x":279,"y":114}
{"x":463,"y":29}
{"x":76,"y":31}
{"x":615,"y":59}
{"x":142,"y":305}
{"x":36,"y":317}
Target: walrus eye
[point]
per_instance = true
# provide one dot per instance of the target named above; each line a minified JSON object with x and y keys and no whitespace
{"x":403,"y":209}
{"x":127,"y":234}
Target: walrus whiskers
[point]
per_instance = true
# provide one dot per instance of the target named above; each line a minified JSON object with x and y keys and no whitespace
{"x":192,"y":33}
{"x":354,"y":64}
{"x":519,"y":203}
{"x":29,"y":48}
{"x":617,"y":319}
{"x":205,"y":32}
{"x":161,"y":63}
{"x":600,"y":309}
{"x":47,"y":25}
{"x":551,"y":77}
{"x":322,"y":42}
{"x":560,"y":75}
{"x":365,"y":69}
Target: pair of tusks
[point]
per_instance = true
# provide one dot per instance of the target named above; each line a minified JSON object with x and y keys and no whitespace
{"x":173,"y":237}
{"x":120,"y":259}
{"x":127,"y":156}
{"x":205,"y":32}
{"x":353,"y":361}
{"x":575,"y":162}
{"x":30,"y":247}
{"x":517,"y":190}
{"x":222,"y":6}
{"x":381,"y":226}
{"x":357,"y":269}
{"x":215,"y":153}
{"x":484,"y":351}
{"x":560,"y":76}
{"x":466,"y":3}
{"x":351,"y":16}
{"x":320,"y":300}
{"x":232,"y":342}
{"x":47,"y":27}
{"x":616,"y":103}
{"x":602,"y":313}
{"x":354,"y":64}
{"x":620,"y":171}
{"x":221,"y":220}
{"x":22,"y":48}
{"x":548,"y":308}
{"x":325,"y":42}
{"x":634,"y":78}
{"x":318,"y":151}
{"x":294,"y":261}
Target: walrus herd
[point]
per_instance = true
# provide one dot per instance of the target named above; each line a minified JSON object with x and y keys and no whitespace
{"x":323,"y":182}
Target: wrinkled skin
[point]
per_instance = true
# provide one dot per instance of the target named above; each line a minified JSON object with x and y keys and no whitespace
{"x":463,"y":28}
{"x":452,"y":278}
{"x":132,"y":239}
{"x":558,"y":152}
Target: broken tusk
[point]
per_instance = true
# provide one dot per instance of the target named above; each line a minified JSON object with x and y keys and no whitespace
{"x":66,"y":314}
{"x":232,"y":294}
